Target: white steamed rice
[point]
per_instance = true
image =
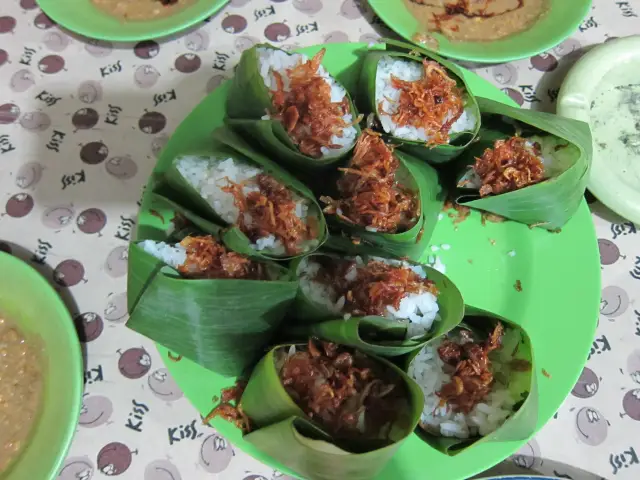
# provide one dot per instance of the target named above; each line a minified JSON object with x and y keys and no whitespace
{"x":276,"y":60}
{"x":419,"y":309}
{"x":172,"y":255}
{"x":427,"y":370}
{"x":409,"y":71}
{"x":208,"y":175}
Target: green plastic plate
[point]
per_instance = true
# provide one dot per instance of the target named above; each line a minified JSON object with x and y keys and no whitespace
{"x":81,"y":16}
{"x":27,"y":299}
{"x":558,"y":305}
{"x":561,"y":20}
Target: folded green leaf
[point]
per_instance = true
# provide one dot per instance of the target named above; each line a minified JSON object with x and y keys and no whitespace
{"x":249,"y":99}
{"x":315,"y":459}
{"x":221,"y":324}
{"x":567,"y":149}
{"x":507,"y":367}
{"x":411,"y":244}
{"x":371,"y":334}
{"x":368,"y":100}
{"x":286,"y":434}
{"x":188,"y":199}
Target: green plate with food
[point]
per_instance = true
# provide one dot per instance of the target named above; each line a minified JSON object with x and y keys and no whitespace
{"x":41,"y":374}
{"x":369,"y":304}
{"x":485,"y":31}
{"x":131,"y":20}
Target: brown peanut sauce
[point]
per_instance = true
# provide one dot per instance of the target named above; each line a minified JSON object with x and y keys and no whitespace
{"x":477,"y":20}
{"x":20,"y":390}
{"x":140,"y":10}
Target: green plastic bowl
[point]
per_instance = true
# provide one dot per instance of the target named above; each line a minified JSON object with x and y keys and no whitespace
{"x":30,"y":302}
{"x":81,"y":16}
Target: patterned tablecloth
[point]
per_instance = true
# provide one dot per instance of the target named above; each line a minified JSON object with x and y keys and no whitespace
{"x":81,"y":126}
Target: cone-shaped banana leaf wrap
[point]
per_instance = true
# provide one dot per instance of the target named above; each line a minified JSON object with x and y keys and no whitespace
{"x":208,"y":186}
{"x":400,"y":323}
{"x":313,"y":448}
{"x":564,"y":148}
{"x":222,"y":324}
{"x":508,"y":413}
{"x":280,"y":129}
{"x":414,"y":176}
{"x":396,"y":112}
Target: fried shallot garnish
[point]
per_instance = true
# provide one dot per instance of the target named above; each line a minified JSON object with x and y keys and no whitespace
{"x":344,"y":391}
{"x":433,"y":103}
{"x":271,"y":210}
{"x":510,"y":165}
{"x":306,"y":110}
{"x":229,"y":408}
{"x":472,"y":380}
{"x":374,"y":286}
{"x":370,"y":196}
{"x":206,"y":258}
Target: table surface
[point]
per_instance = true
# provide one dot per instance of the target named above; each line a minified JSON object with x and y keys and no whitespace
{"x":81,"y":125}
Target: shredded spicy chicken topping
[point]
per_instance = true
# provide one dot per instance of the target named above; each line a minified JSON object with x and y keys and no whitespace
{"x":370,"y":196}
{"x":510,"y":165}
{"x":375,"y":285}
{"x":345,"y":392}
{"x":229,"y":408}
{"x":206,"y":258}
{"x":433,"y":103}
{"x":472,"y":380}
{"x":305,"y":108}
{"x":271,"y":211}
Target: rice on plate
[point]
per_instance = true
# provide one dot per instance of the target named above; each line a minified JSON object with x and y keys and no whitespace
{"x":388,"y":101}
{"x":318,"y":110}
{"x":445,"y":372}
{"x":203,"y":257}
{"x":394,"y":289}
{"x":240,"y":193}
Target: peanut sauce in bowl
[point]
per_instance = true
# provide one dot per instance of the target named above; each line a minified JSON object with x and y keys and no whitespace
{"x":41,"y":374}
{"x":20,"y":389}
{"x":141,"y":10}
{"x":477,"y":20}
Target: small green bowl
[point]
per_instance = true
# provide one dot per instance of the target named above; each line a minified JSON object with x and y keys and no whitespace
{"x":27,"y":300}
{"x":81,"y":16}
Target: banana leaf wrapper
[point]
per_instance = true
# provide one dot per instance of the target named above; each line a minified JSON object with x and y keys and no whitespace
{"x":565,"y":143}
{"x":411,"y":244}
{"x":186,"y":199}
{"x":286,"y":434}
{"x":221,"y":324}
{"x":367,"y":100}
{"x":247,"y":102}
{"x":373,"y":334}
{"x":516,"y":347}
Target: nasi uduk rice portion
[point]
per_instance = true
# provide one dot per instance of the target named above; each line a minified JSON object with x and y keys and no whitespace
{"x":396,"y":290}
{"x":419,"y":101}
{"x":370,"y":195}
{"x":345,"y":392}
{"x":511,"y":164}
{"x":204,"y":257}
{"x":275,"y":218}
{"x":462,"y":398}
{"x":313,"y":108}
